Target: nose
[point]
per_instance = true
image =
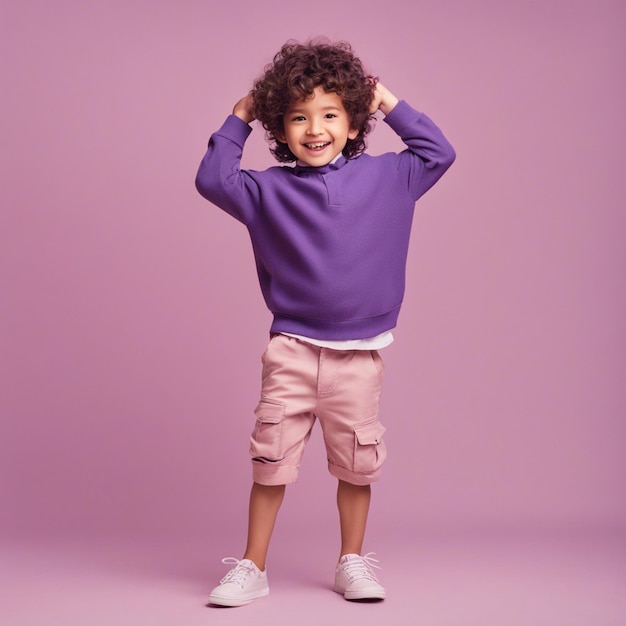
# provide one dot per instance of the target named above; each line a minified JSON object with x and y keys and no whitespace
{"x":315,"y":128}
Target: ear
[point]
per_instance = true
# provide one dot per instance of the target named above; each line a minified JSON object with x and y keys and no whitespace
{"x":353,"y":134}
{"x":280,"y":136}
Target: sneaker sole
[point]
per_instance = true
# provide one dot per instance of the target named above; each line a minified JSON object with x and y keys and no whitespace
{"x":362,"y":594}
{"x":240,"y":601}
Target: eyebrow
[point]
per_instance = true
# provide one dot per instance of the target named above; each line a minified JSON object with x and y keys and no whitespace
{"x":330,"y":107}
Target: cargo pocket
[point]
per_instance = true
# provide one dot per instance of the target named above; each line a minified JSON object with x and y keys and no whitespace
{"x":369,"y":447}
{"x":266,"y":442}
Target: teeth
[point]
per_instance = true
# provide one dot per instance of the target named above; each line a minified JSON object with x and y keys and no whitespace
{"x":317,"y":145}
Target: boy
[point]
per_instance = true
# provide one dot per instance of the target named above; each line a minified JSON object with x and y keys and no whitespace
{"x":330,"y":238}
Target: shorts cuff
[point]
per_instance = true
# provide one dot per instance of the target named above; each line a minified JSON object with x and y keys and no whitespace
{"x":271,"y":475}
{"x":352,"y":477}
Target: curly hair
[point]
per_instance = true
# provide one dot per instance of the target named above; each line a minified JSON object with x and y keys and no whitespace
{"x":296,"y":70}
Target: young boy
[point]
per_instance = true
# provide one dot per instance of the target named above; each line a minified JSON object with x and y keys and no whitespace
{"x":330,"y":237}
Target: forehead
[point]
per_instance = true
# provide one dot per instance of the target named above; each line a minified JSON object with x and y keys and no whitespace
{"x":319,"y":99}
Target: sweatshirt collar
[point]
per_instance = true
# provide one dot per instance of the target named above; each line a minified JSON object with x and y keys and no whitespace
{"x":338,"y":162}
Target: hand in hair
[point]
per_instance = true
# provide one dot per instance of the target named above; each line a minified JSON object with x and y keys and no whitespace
{"x":383,"y":99}
{"x":244,"y":109}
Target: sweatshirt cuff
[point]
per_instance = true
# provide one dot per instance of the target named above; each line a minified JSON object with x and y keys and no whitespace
{"x":235,"y":129}
{"x":402,"y":115}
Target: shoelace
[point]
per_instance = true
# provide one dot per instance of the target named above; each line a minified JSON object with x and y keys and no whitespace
{"x":238,"y":574}
{"x":362,"y":567}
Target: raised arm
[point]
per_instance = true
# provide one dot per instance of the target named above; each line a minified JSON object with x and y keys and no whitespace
{"x":220,"y":178}
{"x":429,"y":154}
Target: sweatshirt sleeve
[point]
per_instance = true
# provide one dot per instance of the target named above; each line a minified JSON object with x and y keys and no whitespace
{"x":428,"y":155}
{"x":220,"y":178}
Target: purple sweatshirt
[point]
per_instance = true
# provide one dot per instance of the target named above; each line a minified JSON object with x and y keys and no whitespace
{"x":330,"y":242}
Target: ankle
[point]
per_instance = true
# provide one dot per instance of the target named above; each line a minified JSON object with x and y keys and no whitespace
{"x":260,"y":563}
{"x":343,"y":552}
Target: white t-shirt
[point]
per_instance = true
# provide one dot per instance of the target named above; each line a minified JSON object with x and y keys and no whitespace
{"x":371,"y":343}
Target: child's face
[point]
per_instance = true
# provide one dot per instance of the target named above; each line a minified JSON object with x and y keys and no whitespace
{"x":317,"y":129}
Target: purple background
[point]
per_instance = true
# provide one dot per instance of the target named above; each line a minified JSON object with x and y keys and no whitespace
{"x":131,"y":323}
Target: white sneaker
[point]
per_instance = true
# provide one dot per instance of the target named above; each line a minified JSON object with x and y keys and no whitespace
{"x":245,"y":582}
{"x":355,"y":579}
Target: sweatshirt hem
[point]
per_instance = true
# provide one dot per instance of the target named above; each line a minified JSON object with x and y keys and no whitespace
{"x":336,"y":330}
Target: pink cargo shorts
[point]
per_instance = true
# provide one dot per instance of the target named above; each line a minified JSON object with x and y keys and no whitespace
{"x":341,"y":388}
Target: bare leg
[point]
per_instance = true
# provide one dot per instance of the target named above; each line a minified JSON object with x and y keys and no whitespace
{"x":353,"y":502}
{"x":265,"y":502}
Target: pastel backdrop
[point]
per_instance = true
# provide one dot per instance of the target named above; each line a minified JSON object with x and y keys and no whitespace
{"x":131,"y":323}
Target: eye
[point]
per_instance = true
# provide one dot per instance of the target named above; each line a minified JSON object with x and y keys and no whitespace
{"x":330,"y":116}
{"x":298,"y":118}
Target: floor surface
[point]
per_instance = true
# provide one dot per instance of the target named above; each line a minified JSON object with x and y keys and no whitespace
{"x":443,"y":580}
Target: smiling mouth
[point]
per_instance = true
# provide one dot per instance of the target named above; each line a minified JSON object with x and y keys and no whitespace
{"x":319,"y":145}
